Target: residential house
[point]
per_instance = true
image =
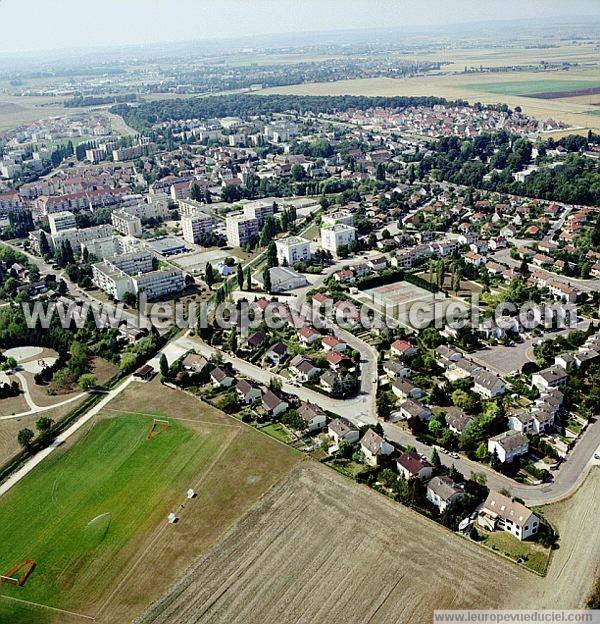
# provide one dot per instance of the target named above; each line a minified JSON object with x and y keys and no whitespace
{"x":221,"y":377}
{"x":500,"y":512}
{"x":333,"y":343}
{"x":313,"y":416}
{"x":412,"y":409}
{"x":343,"y":429}
{"x":273,"y":405}
{"x":443,"y":492}
{"x":508,"y":445}
{"x":338,"y":361}
{"x":374,"y":447}
{"x":396,"y":370}
{"x":412,"y":466}
{"x":406,"y":389}
{"x":308,"y":336}
{"x":247,"y":392}
{"x":488,"y":385}
{"x":194,"y":363}
{"x":457,"y":420}
{"x":277,"y":353}
{"x":303,"y":369}
{"x":552,"y":377}
{"x":401,"y":348}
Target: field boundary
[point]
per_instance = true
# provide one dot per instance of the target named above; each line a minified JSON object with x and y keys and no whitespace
{"x":43,"y":606}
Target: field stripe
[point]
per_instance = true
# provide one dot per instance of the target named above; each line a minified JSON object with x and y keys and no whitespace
{"x":165,"y":526}
{"x":43,"y":606}
{"x":193,"y":420}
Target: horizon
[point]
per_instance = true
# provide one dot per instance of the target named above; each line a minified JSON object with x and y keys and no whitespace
{"x":114,"y":29}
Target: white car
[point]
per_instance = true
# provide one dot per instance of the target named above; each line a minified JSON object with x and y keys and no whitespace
{"x":597,"y":455}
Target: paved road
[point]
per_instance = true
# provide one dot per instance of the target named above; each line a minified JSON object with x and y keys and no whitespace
{"x":566,"y":479}
{"x":358,"y":409}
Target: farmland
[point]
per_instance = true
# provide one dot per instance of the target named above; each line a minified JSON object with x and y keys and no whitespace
{"x":575,"y":110}
{"x":330,"y":550}
{"x":319,"y":548}
{"x":93,"y":517}
{"x":537,"y":88}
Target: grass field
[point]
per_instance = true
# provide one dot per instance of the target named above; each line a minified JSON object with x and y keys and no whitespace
{"x":94,"y":515}
{"x":533,"y":87}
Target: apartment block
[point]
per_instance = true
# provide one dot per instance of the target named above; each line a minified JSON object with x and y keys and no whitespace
{"x":241,"y":229}
{"x":126,"y":223}
{"x":335,"y":236}
{"x":59,"y":221}
{"x":292,"y":249}
{"x":196,"y":227}
{"x":259,"y":210}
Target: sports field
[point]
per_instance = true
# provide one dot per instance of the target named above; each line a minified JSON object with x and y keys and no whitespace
{"x":94,"y":516}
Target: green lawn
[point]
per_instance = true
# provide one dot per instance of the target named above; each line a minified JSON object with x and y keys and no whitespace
{"x":531,"y":554}
{"x":83,"y":512}
{"x":275,"y":430}
{"x":532,"y":87}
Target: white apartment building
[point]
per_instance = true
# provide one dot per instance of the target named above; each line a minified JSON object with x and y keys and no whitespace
{"x":77,"y":236}
{"x":128,"y":153}
{"x":58,"y":221}
{"x":95,"y":155}
{"x":280,"y":132}
{"x":154,"y":284}
{"x":344,"y":217}
{"x":195,"y":227}
{"x":134,"y":262}
{"x":111,"y":280}
{"x":111,"y":246}
{"x":189,"y":207}
{"x":241,"y":229}
{"x":259,"y":210}
{"x":126,"y":223}
{"x":335,"y":236}
{"x":159,"y":284}
{"x":292,"y":249}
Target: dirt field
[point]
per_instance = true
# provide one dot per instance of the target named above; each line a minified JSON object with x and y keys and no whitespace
{"x":577,"y":562}
{"x":319,"y":548}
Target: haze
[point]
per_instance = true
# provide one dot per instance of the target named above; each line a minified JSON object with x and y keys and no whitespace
{"x":57,"y":24}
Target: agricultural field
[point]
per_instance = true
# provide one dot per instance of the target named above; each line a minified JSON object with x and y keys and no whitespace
{"x":319,"y":547}
{"x":577,"y":111}
{"x":539,"y":88}
{"x":93,"y":516}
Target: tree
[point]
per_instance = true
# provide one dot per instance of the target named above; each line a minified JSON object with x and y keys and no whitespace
{"x":482,"y":453}
{"x":44,"y":424}
{"x":272,"y":255}
{"x":435,"y":459}
{"x":164,"y":366}
{"x":267,"y":280}
{"x":209,"y":275}
{"x":248,"y":280}
{"x":44,"y":245}
{"x":88,"y":381}
{"x":240,"y":276}
{"x":25,"y":437}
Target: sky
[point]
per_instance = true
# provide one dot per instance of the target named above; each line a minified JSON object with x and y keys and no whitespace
{"x":29,"y":25}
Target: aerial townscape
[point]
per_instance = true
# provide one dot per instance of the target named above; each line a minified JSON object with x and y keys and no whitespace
{"x":299,"y":327}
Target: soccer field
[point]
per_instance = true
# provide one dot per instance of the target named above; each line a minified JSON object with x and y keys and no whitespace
{"x":84,"y":514}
